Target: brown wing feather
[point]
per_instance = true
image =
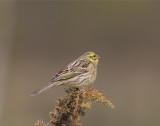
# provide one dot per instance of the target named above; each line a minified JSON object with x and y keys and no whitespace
{"x":81,"y":64}
{"x":77,"y":68}
{"x":63,"y":71}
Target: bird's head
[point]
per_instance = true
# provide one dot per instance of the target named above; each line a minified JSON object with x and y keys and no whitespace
{"x":91,"y":56}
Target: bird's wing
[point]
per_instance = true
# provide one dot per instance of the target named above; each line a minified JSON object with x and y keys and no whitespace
{"x":74,"y":69}
{"x":66,"y":74}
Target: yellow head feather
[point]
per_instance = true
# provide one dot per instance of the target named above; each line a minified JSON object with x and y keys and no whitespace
{"x":91,"y":56}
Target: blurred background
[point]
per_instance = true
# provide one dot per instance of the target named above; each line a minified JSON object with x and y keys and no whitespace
{"x":37,"y":39}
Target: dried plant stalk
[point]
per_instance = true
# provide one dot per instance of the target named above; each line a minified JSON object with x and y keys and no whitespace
{"x":73,"y":105}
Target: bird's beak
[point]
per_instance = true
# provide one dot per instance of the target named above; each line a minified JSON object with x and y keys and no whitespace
{"x":98,"y":57}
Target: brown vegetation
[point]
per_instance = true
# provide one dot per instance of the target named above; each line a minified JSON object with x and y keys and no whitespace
{"x":68,"y":110}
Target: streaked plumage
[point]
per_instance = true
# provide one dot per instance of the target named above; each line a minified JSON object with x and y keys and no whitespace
{"x":81,"y":72}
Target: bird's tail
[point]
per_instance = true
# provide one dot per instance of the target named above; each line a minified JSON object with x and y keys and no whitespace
{"x":44,"y":88}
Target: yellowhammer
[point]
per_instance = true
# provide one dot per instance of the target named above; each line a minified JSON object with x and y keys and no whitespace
{"x":81,"y":72}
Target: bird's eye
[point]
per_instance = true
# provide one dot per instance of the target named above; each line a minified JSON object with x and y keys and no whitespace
{"x":94,"y":55}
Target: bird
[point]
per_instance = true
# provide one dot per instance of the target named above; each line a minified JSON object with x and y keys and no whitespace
{"x":81,"y":72}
